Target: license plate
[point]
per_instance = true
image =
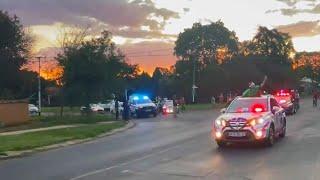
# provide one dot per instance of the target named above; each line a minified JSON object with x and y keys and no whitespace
{"x":148,"y":110}
{"x":237,"y":134}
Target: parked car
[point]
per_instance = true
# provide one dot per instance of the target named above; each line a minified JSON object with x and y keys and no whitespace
{"x":113,"y":108}
{"x":33,"y":110}
{"x":94,"y":108}
{"x":106,"y":105}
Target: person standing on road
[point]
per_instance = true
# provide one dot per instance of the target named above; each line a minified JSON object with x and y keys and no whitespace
{"x":221,"y":98}
{"x":175,"y":106}
{"x":315,"y":98}
{"x":183,"y":104}
{"x":116,"y":107}
{"x":126,"y":110}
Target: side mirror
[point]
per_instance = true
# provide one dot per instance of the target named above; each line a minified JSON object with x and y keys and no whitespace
{"x":223,"y":110}
{"x":275,"y":109}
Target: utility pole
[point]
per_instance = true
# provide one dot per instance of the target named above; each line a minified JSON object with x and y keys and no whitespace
{"x":39,"y":84}
{"x":194,"y":87}
{"x":194,"y":81}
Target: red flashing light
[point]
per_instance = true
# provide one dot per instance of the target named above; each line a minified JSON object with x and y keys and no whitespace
{"x":283,"y":93}
{"x":257,"y":108}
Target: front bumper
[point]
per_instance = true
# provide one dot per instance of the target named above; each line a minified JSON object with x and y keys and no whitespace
{"x":251,"y":135}
{"x":146,"y":111}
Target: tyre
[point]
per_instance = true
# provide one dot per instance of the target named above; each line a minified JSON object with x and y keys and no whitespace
{"x":221,"y":144}
{"x":155,"y":114}
{"x":271,"y":137}
{"x":284,"y":129}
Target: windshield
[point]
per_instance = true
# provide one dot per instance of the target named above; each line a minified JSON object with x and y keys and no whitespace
{"x":142,"y":101}
{"x":248,"y":105}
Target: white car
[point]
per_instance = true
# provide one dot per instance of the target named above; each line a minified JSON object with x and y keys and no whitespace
{"x":33,"y":110}
{"x":250,"y":119}
{"x":107,"y":105}
{"x":94,"y":108}
{"x":113,"y":108}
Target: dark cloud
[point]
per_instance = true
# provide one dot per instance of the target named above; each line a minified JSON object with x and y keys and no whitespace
{"x":113,"y":13}
{"x":186,"y":10}
{"x":293,"y":8}
{"x":301,"y":29}
{"x":294,"y":2}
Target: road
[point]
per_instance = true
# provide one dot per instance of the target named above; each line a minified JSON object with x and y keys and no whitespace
{"x":166,"y":148}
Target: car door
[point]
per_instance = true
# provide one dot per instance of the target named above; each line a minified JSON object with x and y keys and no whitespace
{"x":277,"y":114}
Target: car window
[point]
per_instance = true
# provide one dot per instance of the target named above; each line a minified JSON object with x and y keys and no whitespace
{"x":248,"y":105}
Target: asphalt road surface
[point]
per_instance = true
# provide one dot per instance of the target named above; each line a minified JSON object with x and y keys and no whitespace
{"x":165,"y":148}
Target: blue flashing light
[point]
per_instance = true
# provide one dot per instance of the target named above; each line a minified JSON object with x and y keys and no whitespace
{"x":145,"y":97}
{"x":135,"y":98}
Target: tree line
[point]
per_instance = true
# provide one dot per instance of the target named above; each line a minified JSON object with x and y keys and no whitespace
{"x":95,"y":68}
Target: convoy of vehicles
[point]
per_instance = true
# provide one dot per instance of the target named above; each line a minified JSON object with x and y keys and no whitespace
{"x":250,"y":119}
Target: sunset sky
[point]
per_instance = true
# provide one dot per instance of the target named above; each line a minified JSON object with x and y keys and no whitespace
{"x":146,"y":29}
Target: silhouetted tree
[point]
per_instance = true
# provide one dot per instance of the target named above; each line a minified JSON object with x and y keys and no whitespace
{"x":201,"y":43}
{"x":271,"y":43}
{"x":14,"y":51}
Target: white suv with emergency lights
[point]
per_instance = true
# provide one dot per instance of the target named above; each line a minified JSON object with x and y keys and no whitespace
{"x":250,"y":119}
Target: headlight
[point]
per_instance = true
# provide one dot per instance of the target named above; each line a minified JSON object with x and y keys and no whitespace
{"x":257,"y":121}
{"x":221,"y":122}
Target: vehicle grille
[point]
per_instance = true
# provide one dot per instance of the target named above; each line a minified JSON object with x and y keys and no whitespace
{"x":147,"y":108}
{"x":237,"y":123}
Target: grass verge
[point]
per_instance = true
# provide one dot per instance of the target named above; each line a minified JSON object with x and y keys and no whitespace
{"x":56,"y":110}
{"x":44,"y":138}
{"x":48,"y":121}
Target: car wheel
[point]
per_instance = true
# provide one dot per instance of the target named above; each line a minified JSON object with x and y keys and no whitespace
{"x":221,"y":144}
{"x":154,"y":114}
{"x":271,"y":137}
{"x":284,"y":129}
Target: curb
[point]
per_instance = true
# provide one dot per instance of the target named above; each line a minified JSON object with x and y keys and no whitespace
{"x":18,"y":154}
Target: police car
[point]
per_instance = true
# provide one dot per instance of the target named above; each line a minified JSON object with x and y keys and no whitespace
{"x":141,"y":105}
{"x":287,"y":101}
{"x":250,"y":119}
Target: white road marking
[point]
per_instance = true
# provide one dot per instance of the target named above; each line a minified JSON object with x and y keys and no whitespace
{"x":122,"y":164}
